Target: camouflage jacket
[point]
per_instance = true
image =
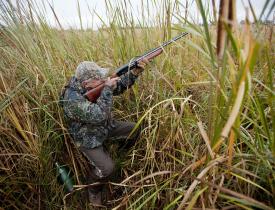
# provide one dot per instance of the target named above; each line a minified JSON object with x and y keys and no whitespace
{"x":89,"y":123}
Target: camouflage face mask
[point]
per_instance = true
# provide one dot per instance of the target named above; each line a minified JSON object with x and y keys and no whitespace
{"x":88,"y":69}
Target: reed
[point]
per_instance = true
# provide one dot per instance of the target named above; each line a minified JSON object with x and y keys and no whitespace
{"x":206,"y":107}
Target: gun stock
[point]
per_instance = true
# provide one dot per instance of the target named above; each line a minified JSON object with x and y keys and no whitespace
{"x":93,"y":94}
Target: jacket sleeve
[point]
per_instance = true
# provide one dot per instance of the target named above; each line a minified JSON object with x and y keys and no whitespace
{"x":125,"y":82}
{"x":78,"y":108}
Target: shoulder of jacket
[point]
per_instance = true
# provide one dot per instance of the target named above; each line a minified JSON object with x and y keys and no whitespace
{"x":71,"y":92}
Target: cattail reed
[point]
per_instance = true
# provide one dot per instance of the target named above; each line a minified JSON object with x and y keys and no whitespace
{"x":206,"y":119}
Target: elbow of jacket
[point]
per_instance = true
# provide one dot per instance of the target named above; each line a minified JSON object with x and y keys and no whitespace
{"x":102,"y":117}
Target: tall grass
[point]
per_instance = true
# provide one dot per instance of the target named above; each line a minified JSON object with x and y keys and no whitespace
{"x":206,"y":108}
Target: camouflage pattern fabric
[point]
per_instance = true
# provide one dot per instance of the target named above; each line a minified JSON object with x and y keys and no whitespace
{"x":88,"y":69}
{"x":89,"y":123}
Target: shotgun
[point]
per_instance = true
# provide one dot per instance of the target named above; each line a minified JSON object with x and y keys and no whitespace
{"x":93,"y":94}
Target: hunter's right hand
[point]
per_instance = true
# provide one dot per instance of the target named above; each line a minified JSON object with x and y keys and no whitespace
{"x":112,"y":82}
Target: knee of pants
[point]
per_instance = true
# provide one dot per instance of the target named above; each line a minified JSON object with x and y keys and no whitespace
{"x":106,"y":170}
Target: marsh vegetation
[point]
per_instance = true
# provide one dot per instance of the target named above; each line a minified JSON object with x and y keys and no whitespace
{"x":205,"y":106}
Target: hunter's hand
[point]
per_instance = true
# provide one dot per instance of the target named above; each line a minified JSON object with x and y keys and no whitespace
{"x":140,"y":66}
{"x":112,"y":82}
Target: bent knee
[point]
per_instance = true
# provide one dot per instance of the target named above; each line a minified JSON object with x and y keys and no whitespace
{"x":106,"y":170}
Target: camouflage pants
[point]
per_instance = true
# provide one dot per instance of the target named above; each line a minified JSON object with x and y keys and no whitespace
{"x":102,"y":164}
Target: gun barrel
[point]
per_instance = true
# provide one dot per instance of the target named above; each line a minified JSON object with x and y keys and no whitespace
{"x":162,"y":45}
{"x":174,"y":39}
{"x":129,"y":66}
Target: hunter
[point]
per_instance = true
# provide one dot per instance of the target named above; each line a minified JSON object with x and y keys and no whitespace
{"x":91,"y":124}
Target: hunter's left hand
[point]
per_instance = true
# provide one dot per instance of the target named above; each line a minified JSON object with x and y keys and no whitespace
{"x":143,"y":63}
{"x":140,"y":66}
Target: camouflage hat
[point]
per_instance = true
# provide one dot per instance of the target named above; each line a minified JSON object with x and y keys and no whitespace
{"x":88,"y":69}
